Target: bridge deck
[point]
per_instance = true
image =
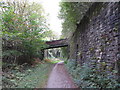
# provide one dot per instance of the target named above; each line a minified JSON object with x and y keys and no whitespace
{"x":57,"y":43}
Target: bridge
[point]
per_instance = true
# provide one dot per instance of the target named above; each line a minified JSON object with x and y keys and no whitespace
{"x":54,"y":44}
{"x":57,"y":43}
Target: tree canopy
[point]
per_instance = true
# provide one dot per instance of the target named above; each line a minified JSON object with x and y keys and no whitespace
{"x":71,"y":13}
{"x":23,"y":28}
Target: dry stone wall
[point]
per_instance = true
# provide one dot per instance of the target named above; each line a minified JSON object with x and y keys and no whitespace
{"x":97,"y":37}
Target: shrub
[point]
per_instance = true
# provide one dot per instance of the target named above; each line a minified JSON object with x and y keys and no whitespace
{"x":23,"y":31}
{"x":89,"y":77}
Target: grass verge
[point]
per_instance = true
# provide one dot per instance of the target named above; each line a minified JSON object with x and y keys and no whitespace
{"x":32,"y":77}
{"x":52,"y":60}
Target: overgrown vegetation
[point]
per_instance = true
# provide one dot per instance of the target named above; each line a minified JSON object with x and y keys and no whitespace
{"x":24,"y":28}
{"x":71,"y":13}
{"x":64,"y":52}
{"x":86,"y":76}
{"x":52,"y":60}
{"x":25,"y":76}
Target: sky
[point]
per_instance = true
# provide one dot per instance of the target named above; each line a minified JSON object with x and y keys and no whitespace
{"x":52,"y":8}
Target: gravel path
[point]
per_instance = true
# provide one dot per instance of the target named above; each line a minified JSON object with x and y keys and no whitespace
{"x":59,"y":78}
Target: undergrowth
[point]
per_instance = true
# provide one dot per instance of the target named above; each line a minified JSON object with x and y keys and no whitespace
{"x":87,"y":77}
{"x":25,"y":76}
{"x":52,"y":60}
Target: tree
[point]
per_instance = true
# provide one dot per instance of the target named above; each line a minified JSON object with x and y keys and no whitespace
{"x":71,"y":13}
{"x":23,"y":28}
{"x":50,"y":35}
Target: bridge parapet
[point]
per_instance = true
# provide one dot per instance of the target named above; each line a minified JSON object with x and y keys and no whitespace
{"x":57,"y":43}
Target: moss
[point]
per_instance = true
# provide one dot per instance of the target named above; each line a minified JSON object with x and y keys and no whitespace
{"x":115,"y":29}
{"x":91,"y":49}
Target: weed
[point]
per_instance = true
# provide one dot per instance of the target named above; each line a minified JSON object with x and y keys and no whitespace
{"x":90,"y":77}
{"x":28,"y":77}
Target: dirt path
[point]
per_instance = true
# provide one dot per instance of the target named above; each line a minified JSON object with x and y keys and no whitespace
{"x":59,"y":78}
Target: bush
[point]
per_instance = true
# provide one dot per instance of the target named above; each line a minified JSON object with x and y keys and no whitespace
{"x":23,"y":32}
{"x":25,"y":76}
{"x":88,"y":77}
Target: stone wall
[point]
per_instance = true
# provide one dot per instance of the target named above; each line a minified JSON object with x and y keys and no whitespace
{"x":96,"y":38}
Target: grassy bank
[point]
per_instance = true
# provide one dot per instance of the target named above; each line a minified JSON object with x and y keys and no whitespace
{"x":27,"y":76}
{"x":53,"y":60}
